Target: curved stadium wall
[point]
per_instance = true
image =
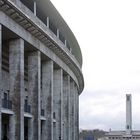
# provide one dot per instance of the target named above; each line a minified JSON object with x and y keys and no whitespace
{"x":40,"y":73}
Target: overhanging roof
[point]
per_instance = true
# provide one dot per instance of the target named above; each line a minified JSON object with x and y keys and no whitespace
{"x":50,"y":11}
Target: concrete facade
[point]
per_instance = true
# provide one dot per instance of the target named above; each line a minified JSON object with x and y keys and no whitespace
{"x":40,"y":73}
{"x":122,"y":135}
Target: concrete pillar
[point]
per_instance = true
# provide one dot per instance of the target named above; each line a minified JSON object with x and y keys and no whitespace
{"x":76,"y":114}
{"x":34,"y":66}
{"x":58,"y":102}
{"x":74,"y":111}
{"x":11,"y":127}
{"x":0,"y":74}
{"x":57,"y":33}
{"x":72,"y":118}
{"x":66,"y":43}
{"x":69,"y":111}
{"x":47,"y":94}
{"x":48,"y":22}
{"x":35,"y":8}
{"x":16,"y":61}
{"x":128,"y":113}
{"x":66,"y":93}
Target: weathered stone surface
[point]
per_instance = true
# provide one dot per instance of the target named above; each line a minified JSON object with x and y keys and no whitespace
{"x":49,"y":86}
{"x":72,"y":119}
{"x":16,"y":61}
{"x":47,"y":97}
{"x":34,"y":66}
{"x":57,"y":101}
{"x":0,"y":72}
{"x":76,"y":114}
{"x":66,"y":93}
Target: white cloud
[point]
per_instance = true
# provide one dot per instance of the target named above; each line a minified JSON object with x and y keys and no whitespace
{"x":107,"y":110}
{"x":108,"y":32}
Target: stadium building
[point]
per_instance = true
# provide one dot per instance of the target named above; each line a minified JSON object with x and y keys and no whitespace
{"x":40,"y":73}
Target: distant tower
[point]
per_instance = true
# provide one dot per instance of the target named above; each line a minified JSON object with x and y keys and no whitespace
{"x":128,"y":114}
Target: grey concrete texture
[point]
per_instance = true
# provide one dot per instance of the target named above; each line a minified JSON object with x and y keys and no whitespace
{"x":16,"y":60}
{"x":36,"y":67}
{"x":47,"y":93}
{"x":57,"y":102}
{"x":0,"y":73}
{"x":34,"y":64}
{"x":66,"y":91}
{"x":24,"y":17}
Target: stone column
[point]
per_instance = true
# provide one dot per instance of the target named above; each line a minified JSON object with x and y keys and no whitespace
{"x":74,"y":111}
{"x":48,"y":22}
{"x":72,"y":117}
{"x":0,"y":75}
{"x":57,"y":101}
{"x":76,"y":114}
{"x":69,"y":111}
{"x":66,"y":93}
{"x":62,"y":104}
{"x":16,"y":61}
{"x":34,"y":65}
{"x":47,"y":94}
{"x":35,"y":8}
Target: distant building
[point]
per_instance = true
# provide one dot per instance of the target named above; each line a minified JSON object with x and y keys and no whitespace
{"x":128,"y":134}
{"x":89,"y":137}
{"x":91,"y":134}
{"x":103,"y":138}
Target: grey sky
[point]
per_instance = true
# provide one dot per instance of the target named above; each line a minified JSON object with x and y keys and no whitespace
{"x":108,"y":32}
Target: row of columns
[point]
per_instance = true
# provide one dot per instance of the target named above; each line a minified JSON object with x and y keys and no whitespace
{"x":47,"y":21}
{"x":58,"y":93}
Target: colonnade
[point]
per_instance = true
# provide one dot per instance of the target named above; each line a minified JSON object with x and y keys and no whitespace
{"x":47,"y":101}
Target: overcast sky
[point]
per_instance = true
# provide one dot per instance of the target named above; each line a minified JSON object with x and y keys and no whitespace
{"x":108,"y":32}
